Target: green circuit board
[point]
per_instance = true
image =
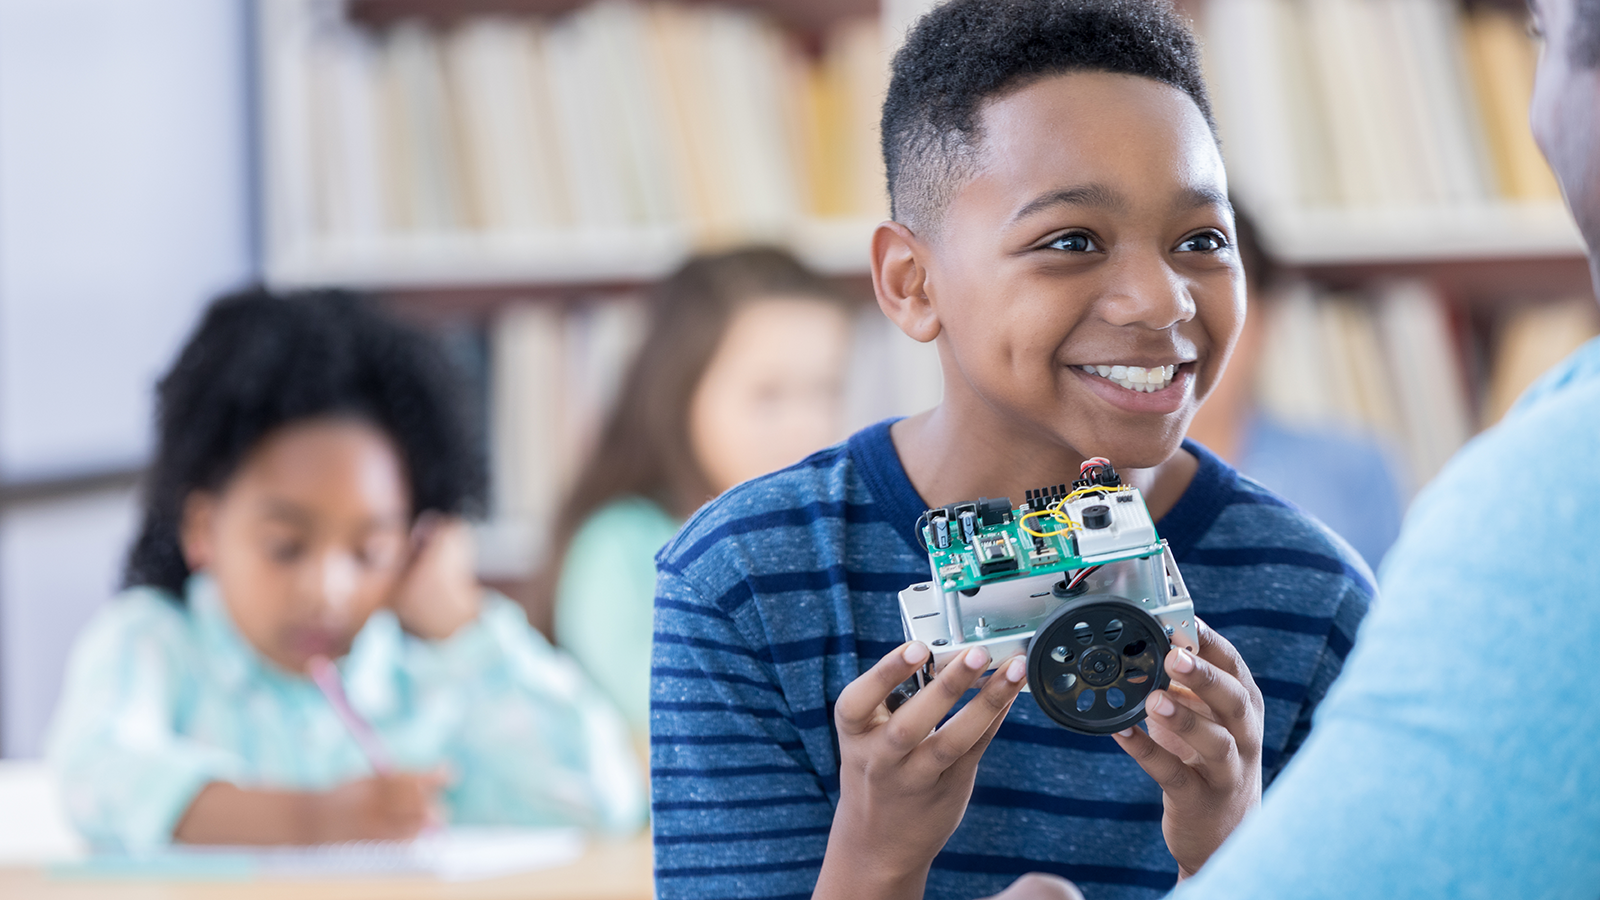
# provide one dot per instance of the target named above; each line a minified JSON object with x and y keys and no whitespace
{"x":987,"y":543}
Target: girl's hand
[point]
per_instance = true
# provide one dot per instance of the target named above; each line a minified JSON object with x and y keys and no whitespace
{"x":1203,"y":748}
{"x":393,"y":807}
{"x":439,"y":591}
{"x":903,"y":787}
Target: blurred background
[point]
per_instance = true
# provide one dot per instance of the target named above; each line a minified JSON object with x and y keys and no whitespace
{"x":516,"y":174}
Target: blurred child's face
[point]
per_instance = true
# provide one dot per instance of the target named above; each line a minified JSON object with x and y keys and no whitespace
{"x":307,"y":539}
{"x":773,"y":391}
{"x":1097,"y":235}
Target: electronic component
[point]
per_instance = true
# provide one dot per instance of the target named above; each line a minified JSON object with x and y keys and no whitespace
{"x":995,"y":554}
{"x":1076,"y":577}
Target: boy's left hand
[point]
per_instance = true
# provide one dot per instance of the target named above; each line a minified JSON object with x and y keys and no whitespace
{"x":439,"y":592}
{"x":1203,"y":748}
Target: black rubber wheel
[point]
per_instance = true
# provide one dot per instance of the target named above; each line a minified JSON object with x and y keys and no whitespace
{"x":1094,"y":661}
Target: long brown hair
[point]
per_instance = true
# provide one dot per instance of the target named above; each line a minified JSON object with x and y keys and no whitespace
{"x":644,"y":447}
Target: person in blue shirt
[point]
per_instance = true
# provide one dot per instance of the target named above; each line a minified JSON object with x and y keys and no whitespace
{"x":1062,"y":232}
{"x":1456,"y":756}
{"x":303,"y":505}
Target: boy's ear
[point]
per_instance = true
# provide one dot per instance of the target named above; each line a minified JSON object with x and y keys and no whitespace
{"x":195,"y":529}
{"x":900,"y":281}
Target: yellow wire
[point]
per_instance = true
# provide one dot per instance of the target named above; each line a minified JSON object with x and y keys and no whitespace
{"x":1023,"y":522}
{"x":1058,"y":511}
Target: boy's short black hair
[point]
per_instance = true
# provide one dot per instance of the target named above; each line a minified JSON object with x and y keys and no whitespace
{"x":258,"y":362}
{"x":965,"y":52}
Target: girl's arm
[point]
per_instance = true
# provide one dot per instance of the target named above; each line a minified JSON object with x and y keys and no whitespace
{"x":132,"y":781}
{"x":127,"y":775}
{"x":384,"y":807}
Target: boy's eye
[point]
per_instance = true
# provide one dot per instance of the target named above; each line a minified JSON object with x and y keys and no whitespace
{"x":1075,"y":243}
{"x":1205,"y":242}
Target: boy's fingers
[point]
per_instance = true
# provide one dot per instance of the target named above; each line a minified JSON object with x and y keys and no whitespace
{"x":1220,"y":652}
{"x":860,"y":701}
{"x":1039,"y":886}
{"x":1166,"y":769}
{"x":1230,"y":702}
{"x":971,"y":728}
{"x":1214,"y":744}
{"x":919,"y":716}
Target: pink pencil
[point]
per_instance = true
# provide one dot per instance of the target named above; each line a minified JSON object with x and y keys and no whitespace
{"x":326,"y":677}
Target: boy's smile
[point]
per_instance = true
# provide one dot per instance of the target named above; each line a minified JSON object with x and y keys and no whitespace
{"x":1083,"y":285}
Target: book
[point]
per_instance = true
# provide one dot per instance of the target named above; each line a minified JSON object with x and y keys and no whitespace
{"x":591,"y":127}
{"x":1501,"y":59}
{"x":1373,"y":104}
{"x":1385,"y":363}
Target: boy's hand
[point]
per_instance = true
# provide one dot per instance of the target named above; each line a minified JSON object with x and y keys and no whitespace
{"x":1203,"y":748}
{"x":1038,"y":886}
{"x":439,"y":591}
{"x":393,"y":807}
{"x":903,"y":787}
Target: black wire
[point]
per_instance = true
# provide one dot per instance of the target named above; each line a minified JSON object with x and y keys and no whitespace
{"x":921,"y":521}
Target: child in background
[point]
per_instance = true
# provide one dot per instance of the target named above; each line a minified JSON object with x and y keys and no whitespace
{"x":312,"y":461}
{"x":1062,"y":231}
{"x":741,"y":373}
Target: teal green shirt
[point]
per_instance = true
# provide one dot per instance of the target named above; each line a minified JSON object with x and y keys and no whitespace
{"x":162,"y":698}
{"x":606,"y":596}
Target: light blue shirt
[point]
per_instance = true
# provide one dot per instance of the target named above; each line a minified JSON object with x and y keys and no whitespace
{"x":606,"y":599}
{"x":162,"y":699}
{"x":1459,"y":753}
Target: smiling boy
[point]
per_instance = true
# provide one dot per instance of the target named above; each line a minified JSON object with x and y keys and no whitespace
{"x":1062,"y":232}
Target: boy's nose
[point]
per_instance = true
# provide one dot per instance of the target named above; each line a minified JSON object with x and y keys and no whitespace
{"x":1143,"y":290}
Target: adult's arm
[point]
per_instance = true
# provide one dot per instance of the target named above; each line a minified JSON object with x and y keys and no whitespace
{"x":1459,"y":753}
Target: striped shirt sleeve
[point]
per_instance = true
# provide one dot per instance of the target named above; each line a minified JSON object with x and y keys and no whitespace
{"x":1347,"y":617}
{"x":740,"y":811}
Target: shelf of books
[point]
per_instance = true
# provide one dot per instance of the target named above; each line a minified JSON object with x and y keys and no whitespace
{"x":576,"y":151}
{"x":598,"y":145}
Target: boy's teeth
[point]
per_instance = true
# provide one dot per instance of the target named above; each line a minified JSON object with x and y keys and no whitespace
{"x":1136,"y":378}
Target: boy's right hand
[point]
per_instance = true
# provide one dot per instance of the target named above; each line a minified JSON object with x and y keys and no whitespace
{"x":903,"y":787}
{"x":393,"y":807}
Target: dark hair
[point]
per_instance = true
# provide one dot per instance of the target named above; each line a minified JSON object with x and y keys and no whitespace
{"x":258,"y":362}
{"x":965,"y":52}
{"x":644,"y":447}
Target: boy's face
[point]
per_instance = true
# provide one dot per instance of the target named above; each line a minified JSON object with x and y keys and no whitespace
{"x":307,"y":539}
{"x":1096,"y":234}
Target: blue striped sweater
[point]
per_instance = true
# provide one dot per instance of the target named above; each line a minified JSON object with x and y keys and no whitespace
{"x":782,"y":591}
